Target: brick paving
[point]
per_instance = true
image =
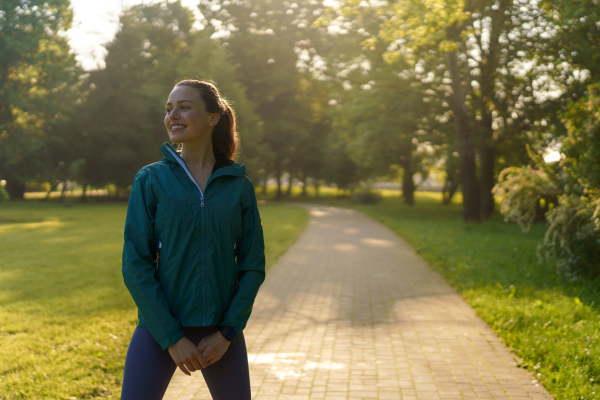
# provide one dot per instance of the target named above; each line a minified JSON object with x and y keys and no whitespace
{"x":352,"y":312}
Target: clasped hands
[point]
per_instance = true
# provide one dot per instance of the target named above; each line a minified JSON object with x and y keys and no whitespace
{"x":190,"y":358}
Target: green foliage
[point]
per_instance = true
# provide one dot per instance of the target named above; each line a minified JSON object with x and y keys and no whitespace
{"x":263,"y":43}
{"x":573,"y":237}
{"x":463,"y":58}
{"x":3,"y":194}
{"x":67,"y":317}
{"x":341,"y":169}
{"x":525,"y":195}
{"x":581,"y":145}
{"x":37,"y":79}
{"x":124,"y":121}
{"x":576,"y":40}
{"x":208,"y":59}
{"x":154,"y":49}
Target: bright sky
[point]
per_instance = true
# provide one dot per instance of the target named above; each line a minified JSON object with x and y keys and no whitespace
{"x":95,"y":23}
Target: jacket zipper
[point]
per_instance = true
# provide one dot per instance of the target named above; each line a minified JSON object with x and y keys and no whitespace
{"x":187,"y":171}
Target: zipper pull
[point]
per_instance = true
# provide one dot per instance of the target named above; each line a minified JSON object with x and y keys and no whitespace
{"x":201,"y":201}
{"x":158,"y":253}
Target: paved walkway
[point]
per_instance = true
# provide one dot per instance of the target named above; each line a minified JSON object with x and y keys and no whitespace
{"x":352,"y":312}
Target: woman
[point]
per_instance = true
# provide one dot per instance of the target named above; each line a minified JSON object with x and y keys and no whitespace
{"x":189,"y":216}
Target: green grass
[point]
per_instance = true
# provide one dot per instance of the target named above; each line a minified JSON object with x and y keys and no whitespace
{"x":551,"y":324}
{"x":66,"y":315}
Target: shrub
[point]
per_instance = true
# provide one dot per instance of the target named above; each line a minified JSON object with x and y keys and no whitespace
{"x":573,"y":237}
{"x":365,"y":197}
{"x":3,"y":194}
{"x":525,"y":195}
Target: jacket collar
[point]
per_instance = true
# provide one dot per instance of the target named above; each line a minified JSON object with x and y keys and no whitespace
{"x":222,"y":166}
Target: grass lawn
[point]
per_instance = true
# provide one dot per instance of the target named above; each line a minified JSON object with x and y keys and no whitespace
{"x":552,"y":325}
{"x":66,"y":315}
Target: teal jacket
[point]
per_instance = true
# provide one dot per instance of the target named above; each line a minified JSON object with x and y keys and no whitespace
{"x":192,"y":258}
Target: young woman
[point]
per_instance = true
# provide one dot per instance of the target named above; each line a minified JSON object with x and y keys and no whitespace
{"x":193,"y":258}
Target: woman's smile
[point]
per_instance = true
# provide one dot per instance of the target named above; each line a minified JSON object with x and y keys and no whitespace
{"x":177,"y":127}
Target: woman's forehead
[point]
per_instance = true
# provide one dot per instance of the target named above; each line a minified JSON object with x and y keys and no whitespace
{"x":182,"y":93}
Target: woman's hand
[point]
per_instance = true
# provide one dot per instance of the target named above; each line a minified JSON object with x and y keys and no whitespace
{"x":187,"y":356}
{"x":213,"y":346}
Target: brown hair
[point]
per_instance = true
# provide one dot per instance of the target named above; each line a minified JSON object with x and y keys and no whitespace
{"x":225,"y":136}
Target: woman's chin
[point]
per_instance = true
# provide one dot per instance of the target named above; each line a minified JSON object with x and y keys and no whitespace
{"x":175,"y":138}
{"x":184,"y":138}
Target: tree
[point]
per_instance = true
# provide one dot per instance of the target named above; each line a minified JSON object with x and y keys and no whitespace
{"x":37,"y":73}
{"x":123,"y":124}
{"x":470,"y":53}
{"x":263,"y":37}
{"x":392,"y":117}
{"x":155,"y":48}
{"x":208,"y":59}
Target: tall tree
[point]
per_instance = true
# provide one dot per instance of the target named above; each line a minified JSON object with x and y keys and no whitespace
{"x":124,"y":121}
{"x":392,"y":114}
{"x":476,"y":49}
{"x":262,"y":40}
{"x":36,"y":73}
{"x":155,"y":48}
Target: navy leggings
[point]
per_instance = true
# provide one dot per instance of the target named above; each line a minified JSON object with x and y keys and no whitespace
{"x":148,"y":368}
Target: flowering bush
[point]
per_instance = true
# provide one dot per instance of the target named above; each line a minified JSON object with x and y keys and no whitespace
{"x":573,"y":235}
{"x":525,"y":195}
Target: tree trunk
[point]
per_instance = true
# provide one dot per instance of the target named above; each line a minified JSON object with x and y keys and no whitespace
{"x":53,"y":187}
{"x":316,"y":188}
{"x":304,"y":178}
{"x":83,"y":195}
{"x":448,"y":190}
{"x":488,"y":67}
{"x":408,"y":185}
{"x":468,"y":171}
{"x":289,"y":188}
{"x":278,"y":172}
{"x":15,"y":189}
{"x":278,"y":194}
{"x":64,"y":189}
{"x":487,"y":178}
{"x":487,"y":150}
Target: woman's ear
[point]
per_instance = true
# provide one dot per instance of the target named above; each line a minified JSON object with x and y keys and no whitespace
{"x":214,"y":119}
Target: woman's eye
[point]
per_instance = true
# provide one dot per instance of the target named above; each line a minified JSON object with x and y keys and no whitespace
{"x":168,"y":110}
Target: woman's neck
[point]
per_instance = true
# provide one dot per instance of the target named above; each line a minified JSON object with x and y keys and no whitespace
{"x":198,"y":154}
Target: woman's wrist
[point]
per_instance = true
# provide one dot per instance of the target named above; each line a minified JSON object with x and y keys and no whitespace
{"x":228,"y":333}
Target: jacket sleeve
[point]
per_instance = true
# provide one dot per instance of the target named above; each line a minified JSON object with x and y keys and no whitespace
{"x":138,"y":265}
{"x":250,"y":262}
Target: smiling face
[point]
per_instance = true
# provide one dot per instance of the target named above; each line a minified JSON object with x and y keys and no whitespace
{"x":186,"y":117}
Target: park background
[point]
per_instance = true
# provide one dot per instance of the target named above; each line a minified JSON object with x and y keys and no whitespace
{"x":495,"y":103}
